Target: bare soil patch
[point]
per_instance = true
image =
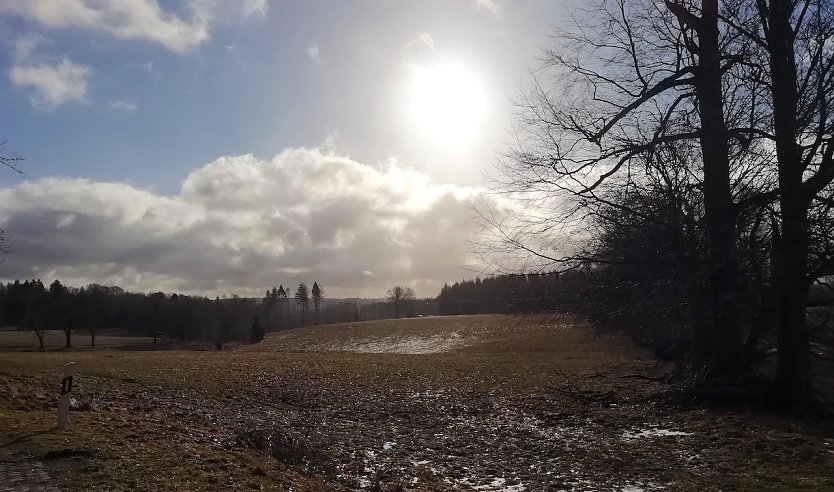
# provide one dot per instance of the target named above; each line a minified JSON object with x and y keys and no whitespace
{"x":516,"y":403}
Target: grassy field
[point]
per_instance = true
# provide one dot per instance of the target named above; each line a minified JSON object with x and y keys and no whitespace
{"x":483,"y":403}
{"x":16,"y":340}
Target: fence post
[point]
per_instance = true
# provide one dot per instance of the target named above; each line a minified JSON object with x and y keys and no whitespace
{"x":66,"y":394}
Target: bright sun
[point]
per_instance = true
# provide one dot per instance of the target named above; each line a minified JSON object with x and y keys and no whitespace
{"x":447,"y":105}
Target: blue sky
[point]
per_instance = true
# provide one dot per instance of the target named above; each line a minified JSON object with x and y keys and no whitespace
{"x":146,"y":94}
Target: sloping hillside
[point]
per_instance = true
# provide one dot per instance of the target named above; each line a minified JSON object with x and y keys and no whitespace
{"x":486,"y":403}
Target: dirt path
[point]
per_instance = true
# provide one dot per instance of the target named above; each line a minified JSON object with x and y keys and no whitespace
{"x":21,"y":473}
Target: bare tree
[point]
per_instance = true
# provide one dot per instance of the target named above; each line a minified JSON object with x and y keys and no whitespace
{"x":726,"y":83}
{"x":399,"y":297}
{"x":632,"y":79}
{"x":11,"y":161}
{"x":796,"y":40}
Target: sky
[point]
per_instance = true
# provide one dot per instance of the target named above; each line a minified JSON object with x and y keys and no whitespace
{"x":223,"y":146}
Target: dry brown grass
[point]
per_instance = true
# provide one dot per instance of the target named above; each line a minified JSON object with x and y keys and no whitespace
{"x":532,"y":401}
{"x":19,"y":341}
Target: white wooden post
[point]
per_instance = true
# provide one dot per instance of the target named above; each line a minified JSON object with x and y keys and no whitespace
{"x":66,"y":393}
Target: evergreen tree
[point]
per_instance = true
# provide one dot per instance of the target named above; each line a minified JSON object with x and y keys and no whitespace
{"x":302,"y":298}
{"x":270,"y":307}
{"x":283,"y":302}
{"x":317,"y":295}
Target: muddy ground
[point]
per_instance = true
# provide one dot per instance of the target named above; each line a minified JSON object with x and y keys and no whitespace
{"x":487,"y":403}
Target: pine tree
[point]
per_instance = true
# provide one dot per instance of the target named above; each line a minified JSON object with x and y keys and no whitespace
{"x":317,"y":296}
{"x":302,"y":298}
{"x":281,"y":296}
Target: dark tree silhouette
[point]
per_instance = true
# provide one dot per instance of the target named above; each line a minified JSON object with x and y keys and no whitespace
{"x":257,"y":332}
{"x":270,"y":308}
{"x":283,"y":304}
{"x":302,"y":298}
{"x":797,"y":38}
{"x":400,"y":297}
{"x":317,"y":295}
{"x":719,"y":85}
{"x":10,"y":161}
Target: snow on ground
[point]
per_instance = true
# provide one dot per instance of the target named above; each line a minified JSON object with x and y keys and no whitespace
{"x":653,"y":431}
{"x":408,"y":344}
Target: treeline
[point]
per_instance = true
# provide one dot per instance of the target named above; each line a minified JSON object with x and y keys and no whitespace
{"x":648,"y":300}
{"x":34,"y":307}
{"x":510,"y":294}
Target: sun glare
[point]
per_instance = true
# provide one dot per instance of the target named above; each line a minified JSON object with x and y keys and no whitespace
{"x":447,"y":104}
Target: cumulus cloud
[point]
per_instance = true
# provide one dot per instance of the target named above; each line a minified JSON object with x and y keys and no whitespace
{"x":313,"y":53}
{"x":241,"y":224}
{"x":53,"y":84}
{"x":133,"y":19}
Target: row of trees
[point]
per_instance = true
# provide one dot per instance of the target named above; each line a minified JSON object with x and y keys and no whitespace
{"x":33,"y":307}
{"x":276,"y":304}
{"x":687,"y":148}
{"x":512,"y":294}
{"x":30,"y":306}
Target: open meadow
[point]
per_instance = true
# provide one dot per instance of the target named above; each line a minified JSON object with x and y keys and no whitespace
{"x":488,"y":403}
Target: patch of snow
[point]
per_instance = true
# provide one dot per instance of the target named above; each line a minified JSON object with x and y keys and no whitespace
{"x":632,"y":488}
{"x":388,"y":445}
{"x":490,"y":484}
{"x":653,"y":432}
{"x":413,"y":344}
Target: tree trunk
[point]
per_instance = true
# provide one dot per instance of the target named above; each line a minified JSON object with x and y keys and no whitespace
{"x":68,"y":335}
{"x":725,"y":340}
{"x":794,"y":363}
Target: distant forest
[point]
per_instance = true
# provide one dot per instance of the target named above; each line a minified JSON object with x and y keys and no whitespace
{"x":635,"y":301}
{"x":34,"y":307}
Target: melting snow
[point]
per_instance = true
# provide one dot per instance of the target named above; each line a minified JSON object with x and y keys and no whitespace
{"x":495,"y":485}
{"x":653,"y":432}
{"x":631,"y":488}
{"x":414,"y":344}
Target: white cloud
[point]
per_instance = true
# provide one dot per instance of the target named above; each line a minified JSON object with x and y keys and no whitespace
{"x":134,"y":19}
{"x":125,"y":106}
{"x":241,"y":224}
{"x":53,"y":84}
{"x":313,"y":53}
{"x":24,"y":47}
{"x":254,"y":7}
{"x":423,"y":41}
{"x":491,"y":6}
